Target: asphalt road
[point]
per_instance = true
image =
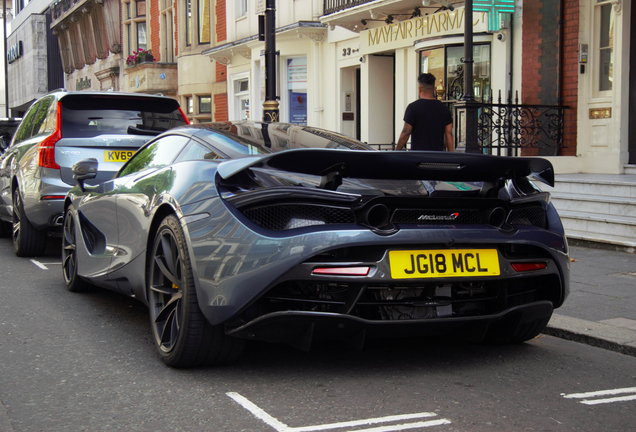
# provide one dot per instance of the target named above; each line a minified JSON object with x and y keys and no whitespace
{"x":86,"y":362}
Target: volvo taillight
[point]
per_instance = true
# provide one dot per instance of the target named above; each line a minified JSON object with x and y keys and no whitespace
{"x":184,"y":116}
{"x":46,"y":149}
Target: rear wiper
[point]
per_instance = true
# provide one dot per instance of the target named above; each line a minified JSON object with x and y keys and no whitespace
{"x":134,"y":130}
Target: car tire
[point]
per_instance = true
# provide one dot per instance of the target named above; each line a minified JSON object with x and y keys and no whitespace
{"x":27,"y":240}
{"x":5,"y":229}
{"x":522,"y":333}
{"x":74,"y":283}
{"x":183,"y":336}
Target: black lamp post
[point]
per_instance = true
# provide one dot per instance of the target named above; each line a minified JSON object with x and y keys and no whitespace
{"x":6,"y":67}
{"x":468,"y":103}
{"x":270,"y":106}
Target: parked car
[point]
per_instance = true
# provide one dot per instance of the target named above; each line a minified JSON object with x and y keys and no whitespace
{"x":7,"y":129}
{"x":58,"y":130}
{"x":288,"y":233}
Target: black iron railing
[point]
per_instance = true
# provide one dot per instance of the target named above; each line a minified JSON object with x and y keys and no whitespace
{"x":506,"y":128}
{"x":331,"y":6}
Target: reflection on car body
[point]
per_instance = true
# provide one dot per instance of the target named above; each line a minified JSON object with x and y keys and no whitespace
{"x":229,"y":234}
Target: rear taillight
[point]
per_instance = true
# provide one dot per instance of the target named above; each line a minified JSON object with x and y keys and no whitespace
{"x":46,"y":149}
{"x":184,"y":116}
{"x":529,"y":266}
{"x":342,"y":271}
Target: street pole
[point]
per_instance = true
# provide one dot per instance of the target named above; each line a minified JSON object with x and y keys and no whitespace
{"x":270,"y":106}
{"x":6,"y":66}
{"x":468,"y":99}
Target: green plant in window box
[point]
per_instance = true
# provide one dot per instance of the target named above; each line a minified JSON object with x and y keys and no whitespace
{"x":140,"y":56}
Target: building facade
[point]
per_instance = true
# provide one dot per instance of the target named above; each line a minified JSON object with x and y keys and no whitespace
{"x":11,"y":55}
{"x":351,"y":66}
{"x":33,"y":60}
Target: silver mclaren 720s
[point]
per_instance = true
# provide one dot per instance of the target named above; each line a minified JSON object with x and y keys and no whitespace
{"x":276,"y":232}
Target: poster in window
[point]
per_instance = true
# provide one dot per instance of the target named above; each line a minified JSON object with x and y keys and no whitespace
{"x":298,"y":108}
{"x":297,"y":90}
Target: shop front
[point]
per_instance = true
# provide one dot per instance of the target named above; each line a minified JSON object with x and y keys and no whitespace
{"x":378,"y":69}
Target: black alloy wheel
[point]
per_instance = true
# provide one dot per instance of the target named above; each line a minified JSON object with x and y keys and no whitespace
{"x":74,"y":283}
{"x":27,"y":240}
{"x":182,"y":335}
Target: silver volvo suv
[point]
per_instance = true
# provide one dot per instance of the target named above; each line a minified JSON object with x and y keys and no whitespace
{"x":58,"y":130}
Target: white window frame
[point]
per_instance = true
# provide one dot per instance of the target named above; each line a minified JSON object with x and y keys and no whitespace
{"x":131,"y":34}
{"x":166,"y":40}
{"x":234,"y":106}
{"x":240,"y":8}
{"x":596,"y":75}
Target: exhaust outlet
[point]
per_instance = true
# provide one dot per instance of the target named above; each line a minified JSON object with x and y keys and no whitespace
{"x":495,"y":217}
{"x":377,"y":216}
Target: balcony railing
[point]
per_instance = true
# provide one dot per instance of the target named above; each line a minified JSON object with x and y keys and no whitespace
{"x":331,"y":6}
{"x":60,"y":7}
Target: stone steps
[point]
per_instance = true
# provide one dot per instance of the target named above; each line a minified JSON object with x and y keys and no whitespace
{"x":608,"y":205}
{"x":596,"y":207}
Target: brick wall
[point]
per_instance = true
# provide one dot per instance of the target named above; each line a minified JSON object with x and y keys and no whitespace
{"x":220,"y":107}
{"x":569,"y":87}
{"x":220,"y":21}
{"x":220,"y":29}
{"x":155,"y":40}
{"x":540,"y":63}
{"x":532,"y":52}
{"x":175,"y":14}
{"x":221,"y":72}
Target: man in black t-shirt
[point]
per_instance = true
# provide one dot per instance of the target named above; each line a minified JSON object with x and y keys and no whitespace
{"x":427,"y":121}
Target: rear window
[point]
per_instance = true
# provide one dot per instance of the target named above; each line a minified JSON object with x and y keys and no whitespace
{"x":232,"y":145}
{"x":86,"y":116}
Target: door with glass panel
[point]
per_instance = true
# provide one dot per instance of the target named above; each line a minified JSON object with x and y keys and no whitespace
{"x":445,"y":63}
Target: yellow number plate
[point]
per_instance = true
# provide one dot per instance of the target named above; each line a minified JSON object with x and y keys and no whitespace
{"x":443,"y":263}
{"x":118,"y":155}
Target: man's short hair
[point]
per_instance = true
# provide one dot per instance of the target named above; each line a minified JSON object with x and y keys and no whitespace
{"x":426,"y":80}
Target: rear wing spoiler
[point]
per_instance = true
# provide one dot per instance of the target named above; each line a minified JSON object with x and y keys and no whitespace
{"x":397,"y":165}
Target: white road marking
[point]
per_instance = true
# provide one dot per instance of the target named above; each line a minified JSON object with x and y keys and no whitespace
{"x":282,"y":427}
{"x":257,"y":412}
{"x":39,"y":264}
{"x":609,"y":400}
{"x":43,"y":266}
{"x":406,"y":426}
{"x":611,"y":392}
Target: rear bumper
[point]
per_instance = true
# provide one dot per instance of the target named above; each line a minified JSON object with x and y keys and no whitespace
{"x":45,"y":213}
{"x":301,"y":328}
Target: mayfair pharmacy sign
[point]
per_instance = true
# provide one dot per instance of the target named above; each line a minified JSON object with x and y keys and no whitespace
{"x":404,"y":34}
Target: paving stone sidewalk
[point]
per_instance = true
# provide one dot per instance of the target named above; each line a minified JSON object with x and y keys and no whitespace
{"x":601,"y":308}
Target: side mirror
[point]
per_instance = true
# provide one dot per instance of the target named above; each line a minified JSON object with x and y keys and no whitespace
{"x":86,"y":169}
